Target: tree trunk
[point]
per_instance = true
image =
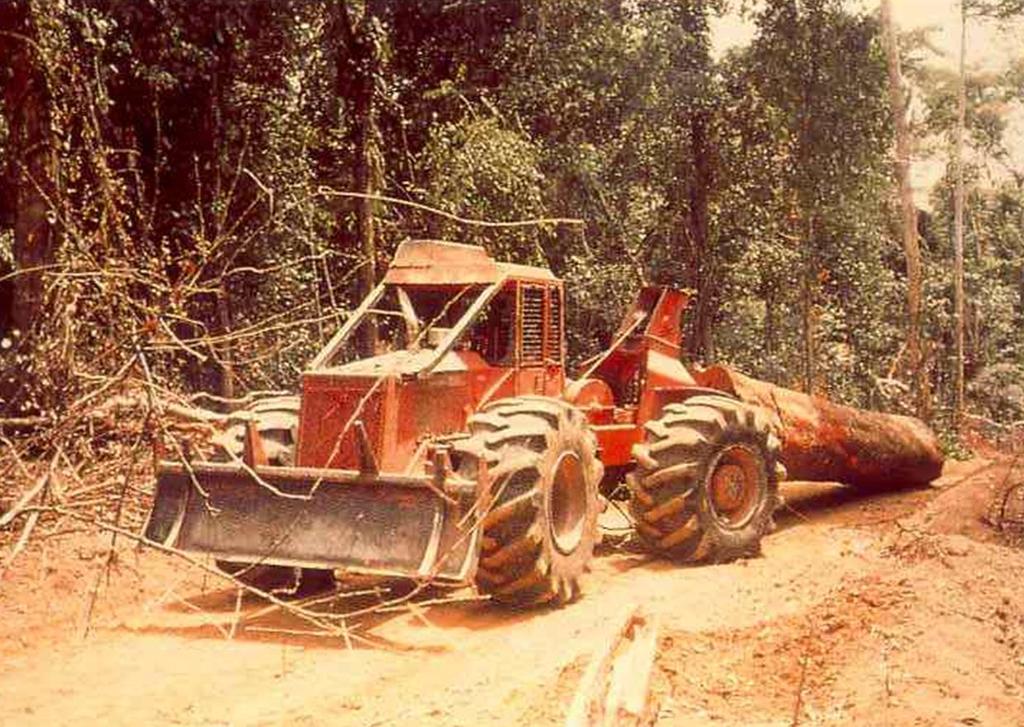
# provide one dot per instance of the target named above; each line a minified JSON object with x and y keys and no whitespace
{"x":771,"y":348}
{"x":697,"y":221}
{"x":364,"y":182}
{"x":958,"y":231}
{"x":808,"y":290}
{"x":806,"y":203}
{"x":911,"y":245}
{"x":33,"y":158}
{"x":217,"y":199}
{"x":827,"y":442}
{"x":357,"y":66}
{"x":227,"y":355}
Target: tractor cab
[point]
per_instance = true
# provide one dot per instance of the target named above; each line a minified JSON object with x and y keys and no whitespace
{"x":451,"y":330}
{"x":439,"y":297}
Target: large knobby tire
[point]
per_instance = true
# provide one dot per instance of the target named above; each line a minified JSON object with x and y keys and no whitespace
{"x":706,"y":481}
{"x":277,"y":421}
{"x":541,"y":524}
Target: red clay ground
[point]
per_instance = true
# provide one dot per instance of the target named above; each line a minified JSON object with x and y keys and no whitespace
{"x":894,"y":608}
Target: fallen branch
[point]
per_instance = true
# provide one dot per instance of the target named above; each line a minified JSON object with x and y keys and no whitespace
{"x":8,"y":517}
{"x":123,"y":402}
{"x":239,"y":401}
{"x":20,"y":424}
{"x":33,"y":516}
{"x":317,"y":619}
{"x":26,"y":532}
{"x":575,"y":221}
{"x":113,"y":407}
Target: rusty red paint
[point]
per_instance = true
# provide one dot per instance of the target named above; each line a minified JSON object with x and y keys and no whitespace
{"x":376,"y":426}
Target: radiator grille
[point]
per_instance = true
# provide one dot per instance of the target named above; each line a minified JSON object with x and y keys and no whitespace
{"x":554,"y":346}
{"x":532,"y":350}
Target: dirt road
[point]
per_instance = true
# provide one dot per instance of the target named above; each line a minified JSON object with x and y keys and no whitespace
{"x":880,"y":609}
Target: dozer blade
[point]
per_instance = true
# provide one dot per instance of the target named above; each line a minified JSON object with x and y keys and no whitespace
{"x":336,"y":519}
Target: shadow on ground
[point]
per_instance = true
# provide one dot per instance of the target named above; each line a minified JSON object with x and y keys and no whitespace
{"x":835,"y":504}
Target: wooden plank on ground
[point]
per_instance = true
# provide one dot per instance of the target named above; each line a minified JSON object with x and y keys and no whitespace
{"x":615,"y":689}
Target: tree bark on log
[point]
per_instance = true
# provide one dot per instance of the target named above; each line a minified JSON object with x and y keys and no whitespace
{"x":824,"y":441}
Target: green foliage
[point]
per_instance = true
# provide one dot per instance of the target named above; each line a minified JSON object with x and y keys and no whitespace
{"x":479,"y":169}
{"x":993,"y":279}
{"x":199,"y":140}
{"x":998,"y":391}
{"x":804,"y":149}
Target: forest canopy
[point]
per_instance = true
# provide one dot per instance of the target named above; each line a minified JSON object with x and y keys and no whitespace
{"x":177,"y":179}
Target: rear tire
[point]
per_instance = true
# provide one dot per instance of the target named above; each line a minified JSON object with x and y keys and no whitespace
{"x":706,"y":481}
{"x":540,"y":530}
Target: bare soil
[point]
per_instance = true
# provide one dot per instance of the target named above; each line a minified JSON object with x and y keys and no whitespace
{"x":898,"y":608}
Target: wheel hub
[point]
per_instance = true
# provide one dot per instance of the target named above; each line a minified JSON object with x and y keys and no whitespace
{"x":735,"y":484}
{"x":567,"y":504}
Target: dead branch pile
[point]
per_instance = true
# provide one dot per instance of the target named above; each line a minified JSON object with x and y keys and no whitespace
{"x":1006,"y":502}
{"x":92,"y":393}
{"x":96,"y":459}
{"x":1006,"y":508}
{"x":92,"y":471}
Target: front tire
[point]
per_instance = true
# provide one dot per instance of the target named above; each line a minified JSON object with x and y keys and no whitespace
{"x":540,"y":530}
{"x":706,"y":481}
{"x":277,"y":421}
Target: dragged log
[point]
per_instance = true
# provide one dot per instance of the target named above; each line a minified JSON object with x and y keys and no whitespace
{"x":824,"y":441}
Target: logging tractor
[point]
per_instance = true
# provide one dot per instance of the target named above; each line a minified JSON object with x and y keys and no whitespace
{"x":437,"y":436}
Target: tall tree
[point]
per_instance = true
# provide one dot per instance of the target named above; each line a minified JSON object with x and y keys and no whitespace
{"x":958,"y":230}
{"x":32,"y":154}
{"x":357,"y":68}
{"x":820,"y":72}
{"x":620,"y":97}
{"x":911,"y":245}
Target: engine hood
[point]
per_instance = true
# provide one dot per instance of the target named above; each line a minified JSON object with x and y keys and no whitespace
{"x":404,"y":363}
{"x":397,"y":409}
